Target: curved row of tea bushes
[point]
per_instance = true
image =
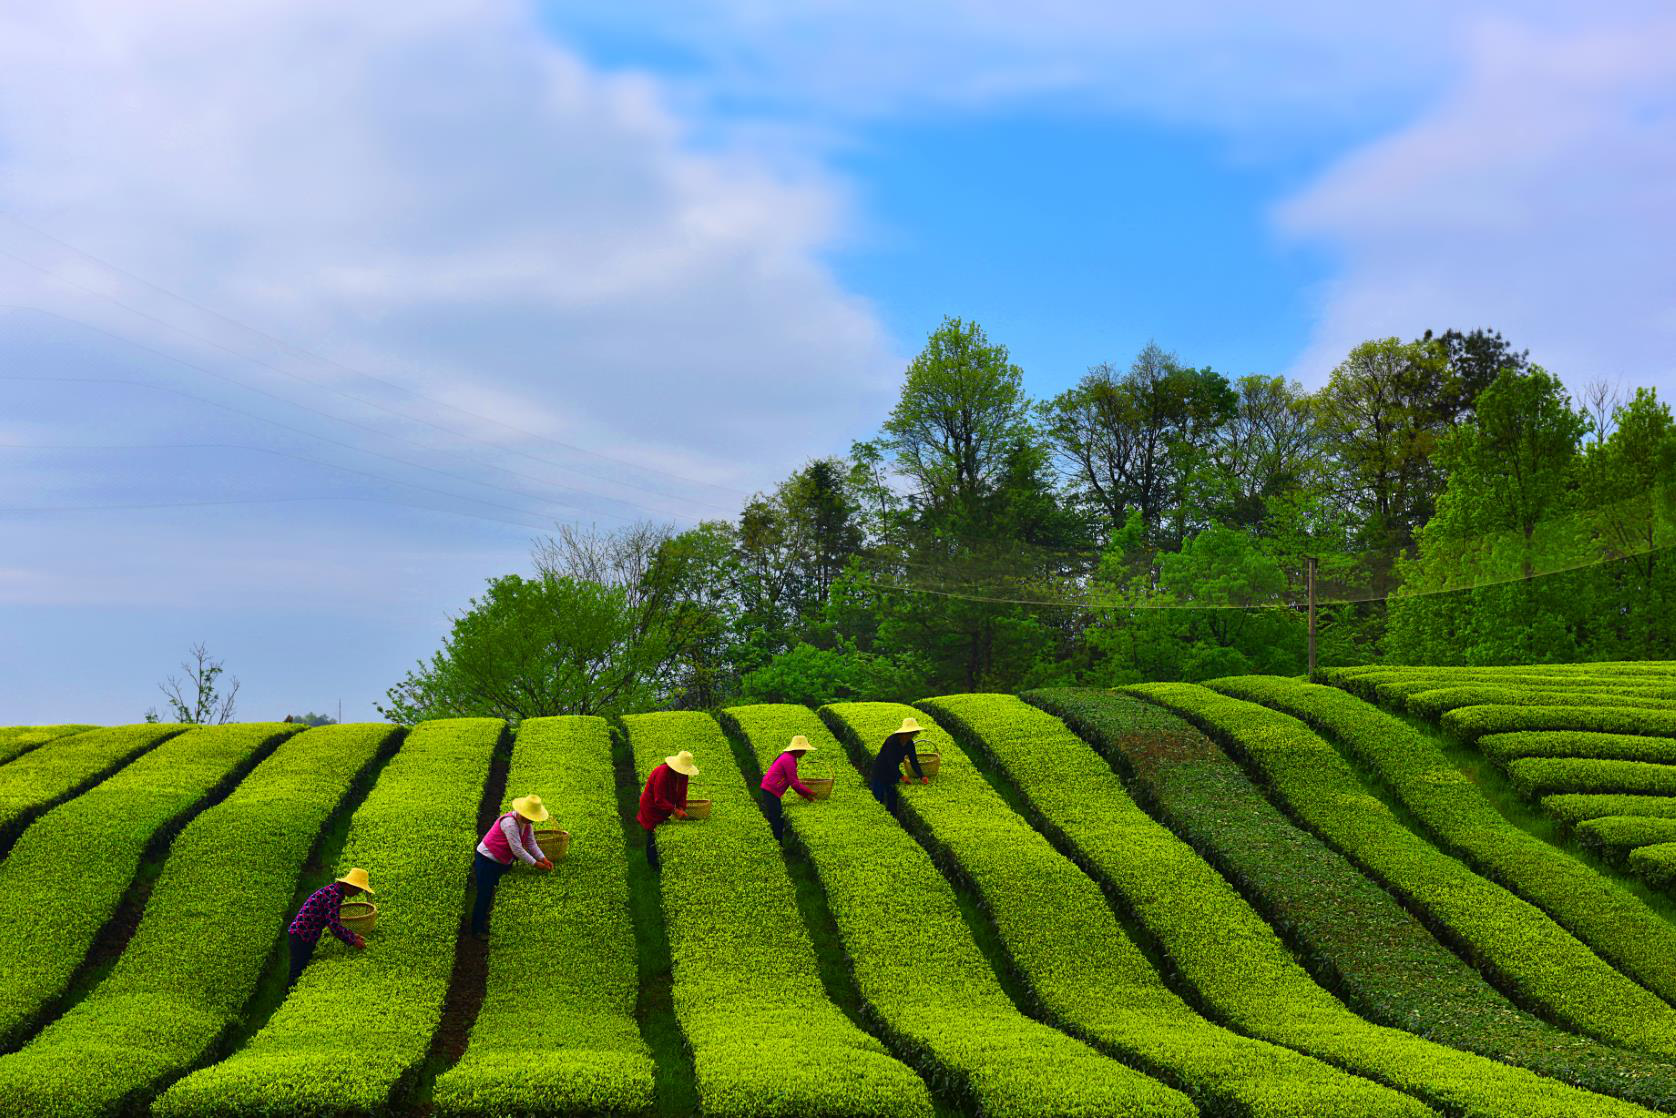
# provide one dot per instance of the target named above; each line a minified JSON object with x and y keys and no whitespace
{"x":916,"y":963}
{"x":1574,"y":807}
{"x":1504,"y":748}
{"x":556,"y":1034}
{"x":765,"y":1038}
{"x":69,"y":871}
{"x":1363,"y":945}
{"x":1433,"y":703}
{"x":1617,"y":835}
{"x":1510,"y":939}
{"x":1655,"y":864}
{"x":1069,"y":949}
{"x":358,"y":1025}
{"x":64,"y":766}
{"x":1393,"y":686}
{"x":214,"y":916}
{"x":1541,"y":776}
{"x":1471,"y":723}
{"x":1613,"y":921}
{"x":17,"y":740}
{"x":1238,"y":968}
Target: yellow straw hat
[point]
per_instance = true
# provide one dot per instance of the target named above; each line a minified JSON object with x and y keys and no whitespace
{"x":531,"y":808}
{"x":682,"y":763}
{"x":358,"y":878}
{"x":799,"y":744}
{"x":910,"y":726}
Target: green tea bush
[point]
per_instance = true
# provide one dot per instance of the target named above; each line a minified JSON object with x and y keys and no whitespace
{"x":1617,"y":835}
{"x":1393,"y":686}
{"x":213,"y":917}
{"x":765,"y":1038}
{"x":1655,"y":865}
{"x":1217,"y":945}
{"x":66,"y":876}
{"x":1609,"y":918}
{"x":1512,"y":940}
{"x":64,"y":766}
{"x":1575,"y":807}
{"x":1363,"y":945}
{"x":1068,"y":947}
{"x":1471,"y":723}
{"x":916,"y":963}
{"x":556,"y":1034}
{"x":358,"y":1025}
{"x":1541,"y":776}
{"x":1432,"y":703}
{"x":17,"y":740}
{"x":1504,"y":748}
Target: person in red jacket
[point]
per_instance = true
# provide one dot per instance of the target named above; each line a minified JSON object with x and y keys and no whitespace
{"x":665,"y":794}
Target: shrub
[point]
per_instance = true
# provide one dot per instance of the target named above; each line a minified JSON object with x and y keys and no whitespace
{"x":64,"y":766}
{"x":556,"y":1033}
{"x":916,"y":963}
{"x":1432,"y":703}
{"x":1515,"y":942}
{"x":1613,"y":921}
{"x":211,"y":922}
{"x":1616,"y":835}
{"x":1655,"y":864}
{"x":1503,"y":748}
{"x":1471,"y":723}
{"x":1062,"y":936}
{"x":1574,"y":807}
{"x":1217,"y":945}
{"x":358,"y":1025}
{"x":1363,"y":945}
{"x":18,"y":740}
{"x":1539,"y":776}
{"x":69,"y":871}
{"x":748,"y":993}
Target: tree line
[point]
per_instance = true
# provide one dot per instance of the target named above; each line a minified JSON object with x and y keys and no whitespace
{"x":1150,"y":522}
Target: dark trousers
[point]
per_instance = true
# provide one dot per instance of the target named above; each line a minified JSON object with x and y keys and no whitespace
{"x":488,"y":872}
{"x":302,"y":951}
{"x":885,"y":794}
{"x":652,"y":858}
{"x":776,"y":812}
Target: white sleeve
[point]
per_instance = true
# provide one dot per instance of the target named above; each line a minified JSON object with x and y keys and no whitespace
{"x":510,"y":830}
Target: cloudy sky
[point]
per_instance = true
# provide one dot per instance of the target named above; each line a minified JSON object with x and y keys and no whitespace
{"x":313,"y":314}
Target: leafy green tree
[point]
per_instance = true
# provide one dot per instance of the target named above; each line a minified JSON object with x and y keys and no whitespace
{"x":815,"y":676}
{"x":1629,"y":494}
{"x":1470,"y":363}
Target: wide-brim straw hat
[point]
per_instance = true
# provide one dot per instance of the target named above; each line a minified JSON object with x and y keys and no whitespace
{"x":358,"y":878}
{"x":910,"y":726}
{"x":799,"y":744}
{"x":531,"y":808}
{"x":682,"y":763}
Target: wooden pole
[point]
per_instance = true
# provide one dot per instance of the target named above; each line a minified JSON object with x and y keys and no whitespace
{"x":1309,"y":579}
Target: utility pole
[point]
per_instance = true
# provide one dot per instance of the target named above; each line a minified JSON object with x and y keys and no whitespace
{"x":1309,"y":581}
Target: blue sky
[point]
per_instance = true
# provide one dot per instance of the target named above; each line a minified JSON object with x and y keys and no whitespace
{"x":312,"y":316}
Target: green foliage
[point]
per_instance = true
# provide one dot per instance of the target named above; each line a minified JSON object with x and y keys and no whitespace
{"x":1217,"y":945}
{"x":69,"y":871}
{"x":1616,"y":835}
{"x":1062,"y":936}
{"x":64,"y":766}
{"x":1364,"y":946}
{"x":556,"y":1034}
{"x":1541,"y":776}
{"x":748,"y":993}
{"x":1656,"y":865}
{"x":17,"y":740}
{"x":917,"y":966}
{"x":1505,"y":935}
{"x":811,"y":676}
{"x":1471,"y":723}
{"x":358,"y":1024}
{"x":211,"y":921}
{"x":1577,"y":806}
{"x":1610,"y":919}
{"x":1503,"y":748}
{"x":1431,"y":704}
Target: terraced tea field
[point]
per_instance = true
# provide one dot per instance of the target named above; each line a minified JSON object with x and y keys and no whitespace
{"x":1398,"y":891}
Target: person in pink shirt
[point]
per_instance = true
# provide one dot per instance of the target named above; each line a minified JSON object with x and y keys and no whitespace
{"x":782,"y":774}
{"x":509,"y":838}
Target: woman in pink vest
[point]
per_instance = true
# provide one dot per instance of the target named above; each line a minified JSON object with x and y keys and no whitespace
{"x":510,"y":837}
{"x":781,"y":775}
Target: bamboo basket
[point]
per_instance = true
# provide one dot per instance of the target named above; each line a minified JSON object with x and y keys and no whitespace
{"x":554,"y":843}
{"x":929,"y":763}
{"x":698,"y":809}
{"x":821,"y":786}
{"x":359,"y":917}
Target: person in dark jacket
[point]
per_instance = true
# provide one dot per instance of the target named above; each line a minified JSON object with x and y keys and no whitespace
{"x":887,"y":766}
{"x":665,"y":794}
{"x":321,"y":912}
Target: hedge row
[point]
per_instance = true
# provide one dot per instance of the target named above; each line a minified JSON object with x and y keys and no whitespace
{"x":1432,"y":703}
{"x":1541,"y":776}
{"x":1393,"y":686}
{"x":1655,"y":864}
{"x":1509,"y":938}
{"x":1617,"y":835}
{"x":68,"y":873}
{"x":1068,"y":947}
{"x":17,"y":740}
{"x":1609,"y":918}
{"x":1471,"y":723}
{"x":1220,"y":947}
{"x":1503,"y":748}
{"x":358,"y":1024}
{"x":1364,"y":945}
{"x":64,"y":766}
{"x":1575,"y":807}
{"x":556,"y":1033}
{"x":748,"y":995}
{"x":213,"y":918}
{"x":916,"y":963}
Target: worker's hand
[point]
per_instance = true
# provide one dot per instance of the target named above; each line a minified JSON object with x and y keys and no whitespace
{"x":906,"y":779}
{"x":807,"y":795}
{"x":679,"y":814}
{"x":360,"y":942}
{"x":925,"y":780}
{"x":544,"y":864}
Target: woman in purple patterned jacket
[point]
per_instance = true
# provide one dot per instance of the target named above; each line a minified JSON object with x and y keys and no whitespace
{"x":320,"y":912}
